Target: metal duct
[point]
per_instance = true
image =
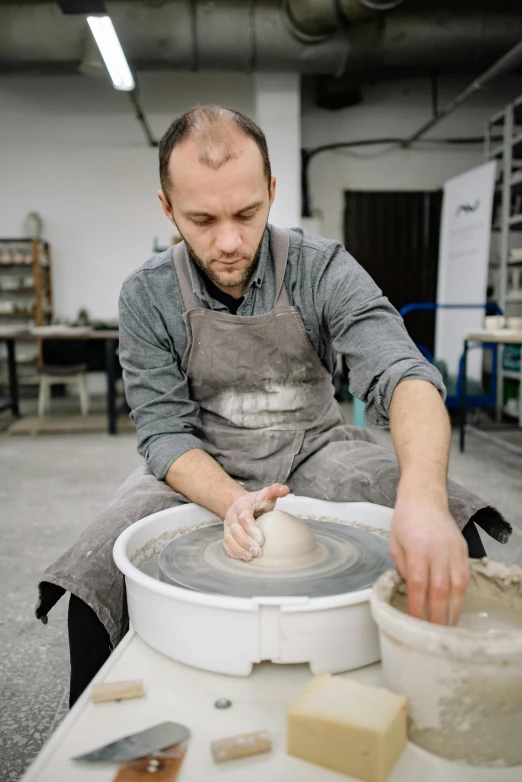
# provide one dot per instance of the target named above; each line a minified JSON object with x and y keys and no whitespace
{"x":381,"y":5}
{"x":446,"y":41}
{"x":248,"y":35}
{"x":316,"y":18}
{"x":313,"y":18}
{"x":233,"y":35}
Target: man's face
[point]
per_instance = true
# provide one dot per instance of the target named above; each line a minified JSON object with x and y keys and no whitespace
{"x":221,"y":213}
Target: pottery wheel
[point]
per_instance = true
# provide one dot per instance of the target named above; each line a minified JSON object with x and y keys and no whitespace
{"x":351,"y":559}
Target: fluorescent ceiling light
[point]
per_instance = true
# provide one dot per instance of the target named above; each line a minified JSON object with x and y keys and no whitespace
{"x":111,"y":51}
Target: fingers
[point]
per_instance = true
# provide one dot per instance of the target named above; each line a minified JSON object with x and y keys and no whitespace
{"x":399,"y":557}
{"x":266,"y":498}
{"x":243,"y":539}
{"x":449,"y":579}
{"x":431,"y":555}
{"x":418,"y":572}
{"x":459,"y":572}
{"x":437,"y":586}
{"x":439,"y":591}
{"x":248,"y":523}
{"x":238,"y":544}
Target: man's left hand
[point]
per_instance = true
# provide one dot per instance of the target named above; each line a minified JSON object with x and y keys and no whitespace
{"x":432,"y":556}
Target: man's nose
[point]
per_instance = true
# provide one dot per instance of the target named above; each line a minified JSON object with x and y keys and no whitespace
{"x":228,"y":239}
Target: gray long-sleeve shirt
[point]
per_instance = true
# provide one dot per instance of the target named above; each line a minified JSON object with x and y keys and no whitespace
{"x":343,"y":311}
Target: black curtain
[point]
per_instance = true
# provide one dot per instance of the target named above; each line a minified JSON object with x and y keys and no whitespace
{"x":395,"y":237}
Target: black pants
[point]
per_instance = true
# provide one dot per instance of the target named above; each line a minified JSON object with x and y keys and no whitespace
{"x":89,"y":643}
{"x":89,"y":646}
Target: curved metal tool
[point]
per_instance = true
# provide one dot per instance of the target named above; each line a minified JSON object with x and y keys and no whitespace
{"x":138,"y":745}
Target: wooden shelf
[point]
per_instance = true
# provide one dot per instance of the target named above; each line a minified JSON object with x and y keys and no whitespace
{"x":18,"y":290}
{"x":39,"y":274}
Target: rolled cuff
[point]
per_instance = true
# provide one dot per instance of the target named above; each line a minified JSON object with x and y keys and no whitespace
{"x":164,"y":450}
{"x":377,"y":408}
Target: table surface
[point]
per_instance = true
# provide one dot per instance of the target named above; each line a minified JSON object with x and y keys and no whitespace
{"x":502,"y":336}
{"x":25,"y":335}
{"x":182,"y":694}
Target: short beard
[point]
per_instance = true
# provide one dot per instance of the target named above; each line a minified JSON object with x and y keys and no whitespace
{"x":214,"y":277}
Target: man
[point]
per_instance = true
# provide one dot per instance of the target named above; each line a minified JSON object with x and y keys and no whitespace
{"x":227,"y":347}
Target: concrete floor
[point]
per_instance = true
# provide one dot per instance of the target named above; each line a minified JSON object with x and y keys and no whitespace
{"x":51,"y":487}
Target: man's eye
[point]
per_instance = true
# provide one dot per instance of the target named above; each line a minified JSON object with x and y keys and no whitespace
{"x":202,"y":222}
{"x":246,"y":217}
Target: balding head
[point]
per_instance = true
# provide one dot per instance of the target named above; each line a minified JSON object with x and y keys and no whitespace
{"x":213,"y":129}
{"x":217,"y":188}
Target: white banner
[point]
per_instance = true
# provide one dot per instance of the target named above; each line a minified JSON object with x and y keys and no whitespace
{"x":463,"y":263}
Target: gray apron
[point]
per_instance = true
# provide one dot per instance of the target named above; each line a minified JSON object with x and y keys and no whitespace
{"x":267,"y":415}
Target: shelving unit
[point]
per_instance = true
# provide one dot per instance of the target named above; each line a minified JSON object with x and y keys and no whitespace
{"x":26,"y":299}
{"x":506,"y":268}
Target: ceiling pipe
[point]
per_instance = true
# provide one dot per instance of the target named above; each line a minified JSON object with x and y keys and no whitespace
{"x":381,"y":5}
{"x":229,"y":35}
{"x":303,"y":36}
{"x":507,"y":63}
{"x":312,"y":19}
{"x":317,"y":18}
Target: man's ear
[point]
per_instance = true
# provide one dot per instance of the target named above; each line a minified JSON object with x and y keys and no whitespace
{"x":272,"y":190}
{"x":165,"y":206}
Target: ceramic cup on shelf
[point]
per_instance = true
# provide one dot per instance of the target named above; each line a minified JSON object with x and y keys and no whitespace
{"x":493,"y":322}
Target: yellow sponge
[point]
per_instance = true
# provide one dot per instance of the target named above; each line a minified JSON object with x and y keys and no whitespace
{"x":348,"y":727}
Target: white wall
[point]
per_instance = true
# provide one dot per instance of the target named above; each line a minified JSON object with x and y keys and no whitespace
{"x":394,"y":110}
{"x":71,"y":149}
{"x":278,"y":112}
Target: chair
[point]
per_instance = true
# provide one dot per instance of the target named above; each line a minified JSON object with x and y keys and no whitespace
{"x":63,"y":362}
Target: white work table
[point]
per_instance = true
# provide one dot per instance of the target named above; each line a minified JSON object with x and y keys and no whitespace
{"x":182,"y":694}
{"x":491,"y":336}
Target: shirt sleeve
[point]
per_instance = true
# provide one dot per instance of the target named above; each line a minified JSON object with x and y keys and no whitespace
{"x":156,"y":387}
{"x":365,"y":327}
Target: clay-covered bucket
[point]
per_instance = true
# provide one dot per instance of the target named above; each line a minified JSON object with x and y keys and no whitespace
{"x":464,"y":683}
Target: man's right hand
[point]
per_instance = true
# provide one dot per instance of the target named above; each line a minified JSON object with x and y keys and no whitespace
{"x":242,"y":537}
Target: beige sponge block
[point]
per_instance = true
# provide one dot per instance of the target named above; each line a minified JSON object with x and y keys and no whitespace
{"x":348,"y":727}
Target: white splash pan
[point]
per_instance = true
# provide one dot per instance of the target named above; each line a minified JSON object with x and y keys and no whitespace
{"x":229,"y":634}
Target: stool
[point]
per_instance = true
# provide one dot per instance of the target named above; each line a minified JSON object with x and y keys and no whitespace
{"x":54,"y":375}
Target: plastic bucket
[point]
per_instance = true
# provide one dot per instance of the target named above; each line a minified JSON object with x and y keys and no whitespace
{"x":463,"y":684}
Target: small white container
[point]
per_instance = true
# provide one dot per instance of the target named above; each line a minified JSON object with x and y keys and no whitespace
{"x":230,"y":634}
{"x":464,"y":686}
{"x":494,"y":322}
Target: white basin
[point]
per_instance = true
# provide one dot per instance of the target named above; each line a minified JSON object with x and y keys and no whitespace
{"x":229,"y":634}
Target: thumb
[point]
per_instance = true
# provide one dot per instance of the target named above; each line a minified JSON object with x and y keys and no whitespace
{"x":266,"y":498}
{"x":276,"y":490}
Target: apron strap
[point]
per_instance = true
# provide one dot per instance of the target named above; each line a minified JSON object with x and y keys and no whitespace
{"x":181,"y":263}
{"x":280,"y":242}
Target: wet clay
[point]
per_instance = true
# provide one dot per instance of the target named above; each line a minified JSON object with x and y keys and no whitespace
{"x":349,"y":560}
{"x":152,"y":548}
{"x":289,"y":542}
{"x":463,"y":683}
